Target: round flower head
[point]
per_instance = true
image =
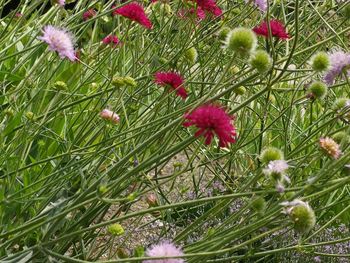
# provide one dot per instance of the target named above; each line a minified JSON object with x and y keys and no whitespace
{"x":261,"y":61}
{"x":320,"y":62}
{"x":330,"y":147}
{"x":173,"y":80}
{"x":110,"y":39}
{"x":209,"y":6}
{"x":210,"y":120}
{"x":135,"y":12}
{"x":261,"y":4}
{"x":270,"y":154}
{"x":223,"y":33}
{"x":276,"y":169}
{"x":241,"y":40}
{"x":277,"y":29}
{"x":109,"y":115}
{"x":89,"y":14}
{"x":340,"y":63}
{"x":191,"y":55}
{"x":164,"y":249}
{"x":318,"y":90}
{"x":301,"y":214}
{"x":59,"y":40}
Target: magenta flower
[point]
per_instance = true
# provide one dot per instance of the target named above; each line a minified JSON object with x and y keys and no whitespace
{"x":110,"y":39}
{"x":164,"y":249}
{"x":172,"y":80}
{"x":212,"y":120}
{"x":209,"y":6}
{"x":261,"y":4}
{"x":340,"y":63}
{"x":109,"y":115}
{"x":59,"y":40}
{"x":135,"y":12}
{"x":277,"y":29}
{"x":89,"y":14}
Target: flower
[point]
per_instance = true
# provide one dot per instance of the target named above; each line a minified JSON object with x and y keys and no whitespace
{"x":89,"y":14}
{"x":60,"y":2}
{"x":59,"y":40}
{"x":277,"y":29}
{"x":172,"y":79}
{"x":135,"y":12}
{"x":277,"y":166}
{"x":241,"y":40}
{"x":261,"y":4}
{"x":340,"y":62}
{"x":330,"y":147}
{"x":109,"y":115}
{"x":210,"y":6}
{"x":164,"y":249}
{"x":111,"y":39}
{"x":212,"y":119}
{"x":197,"y":12}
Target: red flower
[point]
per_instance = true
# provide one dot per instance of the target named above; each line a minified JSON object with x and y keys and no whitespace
{"x":135,"y":12}
{"x":210,"y":6}
{"x":110,"y":39}
{"x":277,"y":29}
{"x":89,"y":14}
{"x":172,"y":79}
{"x":212,"y":119}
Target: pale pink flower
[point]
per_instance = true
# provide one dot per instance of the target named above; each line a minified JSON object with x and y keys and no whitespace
{"x":164,"y":249}
{"x":61,"y":2}
{"x":261,"y":4}
{"x":109,"y":115}
{"x":59,"y":40}
{"x":330,"y":147}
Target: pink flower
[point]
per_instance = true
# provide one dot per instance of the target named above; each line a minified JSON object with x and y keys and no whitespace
{"x":164,"y":249}
{"x":135,"y":12}
{"x":209,"y":6}
{"x":89,"y":14}
{"x":340,"y":63}
{"x":212,"y":119}
{"x":277,"y":29}
{"x":261,"y":4}
{"x":18,"y":15}
{"x":110,"y":39}
{"x":330,"y":147}
{"x":197,"y":12}
{"x":109,"y":115}
{"x":59,"y":40}
{"x":60,"y":2}
{"x":173,"y":80}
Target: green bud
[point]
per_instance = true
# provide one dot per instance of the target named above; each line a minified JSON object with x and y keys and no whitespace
{"x":9,"y":112}
{"x":318,"y":90}
{"x":116,"y":230}
{"x":234,"y":70}
{"x":261,"y":61}
{"x":223,"y":33}
{"x":341,"y":103}
{"x":320,"y":62}
{"x":191,"y":55}
{"x":60,"y":85}
{"x":240,"y":90}
{"x":29,"y":115}
{"x":242,"y":41}
{"x":303,"y":217}
{"x":129,"y":81}
{"x":132,"y":196}
{"x":258,"y":204}
{"x":271,"y":154}
{"x":118,"y":81}
{"x":102,"y":189}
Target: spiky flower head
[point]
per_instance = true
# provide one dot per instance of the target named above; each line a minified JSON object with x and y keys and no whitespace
{"x":330,"y":147}
{"x":271,"y":154}
{"x":59,"y":40}
{"x":164,"y":249}
{"x":241,"y":40}
{"x":302,"y":215}
{"x":320,"y":61}
{"x":318,"y":90}
{"x":191,"y":55}
{"x":223,"y":33}
{"x":261,"y":61}
{"x":340,"y":65}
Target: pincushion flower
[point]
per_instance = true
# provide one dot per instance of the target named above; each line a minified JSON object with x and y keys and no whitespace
{"x":111,"y":39}
{"x":209,"y":6}
{"x":277,"y":166}
{"x":340,"y":63}
{"x":59,"y":40}
{"x":277,"y":29}
{"x":173,"y":80}
{"x":60,"y":2}
{"x":261,"y":4}
{"x":164,"y":249}
{"x":89,"y":14}
{"x":109,"y":115}
{"x":330,"y":147}
{"x":212,"y":120}
{"x":134,"y":12}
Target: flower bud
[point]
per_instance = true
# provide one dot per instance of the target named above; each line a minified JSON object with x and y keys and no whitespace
{"x":151,"y":200}
{"x":109,"y":115}
{"x":240,"y":90}
{"x":118,"y":81}
{"x":129,"y":81}
{"x":191,"y":55}
{"x":116,"y":230}
{"x":29,"y":115}
{"x":60,"y":85}
{"x":320,"y":62}
{"x":241,"y":40}
{"x":258,"y":204}
{"x":301,"y":214}
{"x":318,"y":90}
{"x":223,"y":33}
{"x":261,"y":61}
{"x":271,"y":154}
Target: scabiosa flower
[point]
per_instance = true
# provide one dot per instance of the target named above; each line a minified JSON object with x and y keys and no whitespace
{"x":277,"y":29}
{"x":59,"y":40}
{"x":164,"y":249}
{"x":278,"y":167}
{"x":340,"y":62}
{"x":210,"y":120}
{"x":60,"y":2}
{"x":109,"y":115}
{"x":209,"y":6}
{"x":261,"y":4}
{"x":111,"y":39}
{"x":330,"y":147}
{"x":89,"y":14}
{"x":173,"y":80}
{"x":135,"y":12}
